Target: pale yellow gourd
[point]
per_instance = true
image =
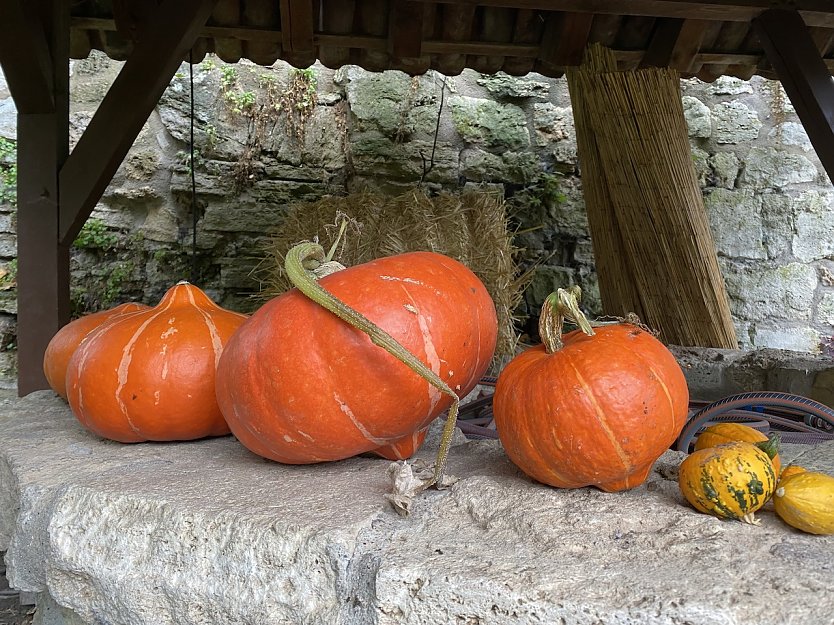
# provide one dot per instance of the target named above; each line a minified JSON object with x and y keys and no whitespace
{"x":806,"y":501}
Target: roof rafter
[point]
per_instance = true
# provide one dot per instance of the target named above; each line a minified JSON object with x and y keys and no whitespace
{"x":24,"y":55}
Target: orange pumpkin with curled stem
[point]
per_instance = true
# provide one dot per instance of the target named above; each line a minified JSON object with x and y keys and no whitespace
{"x":358,"y":360}
{"x":149,"y":375}
{"x":62,"y":346}
{"x":595,"y":407}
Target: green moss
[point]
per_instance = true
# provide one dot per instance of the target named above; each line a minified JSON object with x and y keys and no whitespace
{"x":491,"y":124}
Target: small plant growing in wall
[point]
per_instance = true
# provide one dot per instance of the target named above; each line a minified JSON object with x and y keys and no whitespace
{"x":298,"y":101}
{"x":8,"y":275}
{"x":8,"y":171}
{"x":95,"y":235}
{"x":545,"y":191}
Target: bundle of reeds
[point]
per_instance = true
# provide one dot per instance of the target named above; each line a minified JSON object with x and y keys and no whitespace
{"x":653,"y":245}
{"x":470,"y":227}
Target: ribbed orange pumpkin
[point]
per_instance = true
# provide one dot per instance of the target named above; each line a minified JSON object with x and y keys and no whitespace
{"x":149,"y":375}
{"x":597,"y":410}
{"x":67,"y":339}
{"x":297,"y":384}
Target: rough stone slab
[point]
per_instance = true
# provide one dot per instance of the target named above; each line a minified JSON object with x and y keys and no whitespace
{"x":205,"y":532}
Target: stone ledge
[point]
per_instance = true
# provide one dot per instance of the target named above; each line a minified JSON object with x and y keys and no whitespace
{"x":205,"y":532}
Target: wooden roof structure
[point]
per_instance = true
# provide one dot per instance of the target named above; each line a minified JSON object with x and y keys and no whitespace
{"x":792,"y":40}
{"x":703,"y":39}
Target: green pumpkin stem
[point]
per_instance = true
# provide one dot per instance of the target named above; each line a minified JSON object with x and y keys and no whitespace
{"x":771,"y":445}
{"x":559,"y":306}
{"x":298,"y":263}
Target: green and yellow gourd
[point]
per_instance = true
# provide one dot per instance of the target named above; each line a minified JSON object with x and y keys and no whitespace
{"x":730,"y":481}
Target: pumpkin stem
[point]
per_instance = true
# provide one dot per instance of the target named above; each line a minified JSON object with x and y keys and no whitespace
{"x":308,"y":254}
{"x":342,"y":227}
{"x":771,"y":445}
{"x":561,"y":305}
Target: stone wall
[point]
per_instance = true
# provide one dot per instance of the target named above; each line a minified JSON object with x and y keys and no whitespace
{"x":268,"y":137}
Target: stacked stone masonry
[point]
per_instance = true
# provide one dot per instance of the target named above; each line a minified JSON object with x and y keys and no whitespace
{"x":770,"y":203}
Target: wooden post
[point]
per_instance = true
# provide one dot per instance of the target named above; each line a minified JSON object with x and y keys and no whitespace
{"x":35,"y":56}
{"x":57,"y":191}
{"x":807,"y":81}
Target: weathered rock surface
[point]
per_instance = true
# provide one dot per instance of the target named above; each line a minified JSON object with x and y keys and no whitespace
{"x":205,"y":532}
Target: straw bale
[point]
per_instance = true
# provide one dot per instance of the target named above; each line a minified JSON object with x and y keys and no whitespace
{"x":644,"y":187}
{"x":471,"y":227}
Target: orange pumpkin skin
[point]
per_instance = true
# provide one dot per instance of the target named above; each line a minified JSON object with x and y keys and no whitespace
{"x":403,"y":448}
{"x":597,"y":412}
{"x":298,"y":385}
{"x":149,"y":375}
{"x":67,"y":339}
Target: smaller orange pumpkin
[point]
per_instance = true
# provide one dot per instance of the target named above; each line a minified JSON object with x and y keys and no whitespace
{"x":149,"y":375}
{"x":791,"y":469}
{"x":67,"y":339}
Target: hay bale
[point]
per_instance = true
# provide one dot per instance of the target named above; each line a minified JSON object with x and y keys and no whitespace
{"x":470,"y":227}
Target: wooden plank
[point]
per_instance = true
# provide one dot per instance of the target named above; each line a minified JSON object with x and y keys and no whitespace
{"x":565,"y":38}
{"x":496,"y":25}
{"x":527,"y":29}
{"x":806,"y":79}
{"x":814,"y":12}
{"x":688,"y":44}
{"x":43,"y":276}
{"x":456,"y":25}
{"x":132,"y":16}
{"x":297,"y":25}
{"x":24,"y":57}
{"x":263,"y":16}
{"x":665,"y":36}
{"x":227,"y":13}
{"x":405,"y":29}
{"x":125,"y":109}
{"x":372,"y":20}
{"x":337,"y":19}
{"x":675,"y":44}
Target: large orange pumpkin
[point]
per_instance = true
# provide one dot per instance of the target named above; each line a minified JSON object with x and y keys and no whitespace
{"x":67,"y":339}
{"x":586,"y":409}
{"x":149,"y":375}
{"x":297,"y":384}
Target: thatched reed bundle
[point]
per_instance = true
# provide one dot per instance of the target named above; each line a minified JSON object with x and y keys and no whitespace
{"x":653,"y":245}
{"x":470,"y":227}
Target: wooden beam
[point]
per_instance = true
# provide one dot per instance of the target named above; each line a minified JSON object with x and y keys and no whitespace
{"x":565,"y":38}
{"x":405,"y":29}
{"x":805,"y":77}
{"x":337,"y":19}
{"x":297,"y":25}
{"x":675,"y":44}
{"x":522,"y":50}
{"x":125,"y":109}
{"x":132,"y":16}
{"x":814,"y":12}
{"x":43,"y":275}
{"x":25,"y":59}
